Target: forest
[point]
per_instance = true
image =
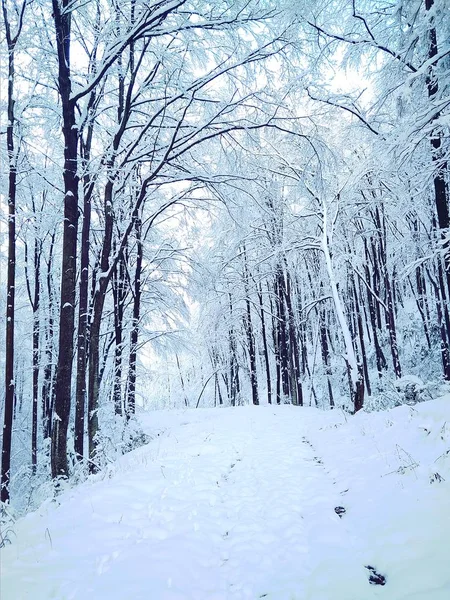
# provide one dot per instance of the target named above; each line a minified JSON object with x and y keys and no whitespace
{"x":215,"y":203}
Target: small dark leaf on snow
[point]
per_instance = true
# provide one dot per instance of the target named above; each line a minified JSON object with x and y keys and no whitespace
{"x":340,"y":510}
{"x":375,"y":577}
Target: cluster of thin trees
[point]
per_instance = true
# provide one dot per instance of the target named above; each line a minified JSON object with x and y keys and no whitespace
{"x":338,"y":276}
{"x":325,"y":295}
{"x":334,"y":231}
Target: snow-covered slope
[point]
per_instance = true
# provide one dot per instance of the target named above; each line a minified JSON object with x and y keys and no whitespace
{"x":240,"y":504}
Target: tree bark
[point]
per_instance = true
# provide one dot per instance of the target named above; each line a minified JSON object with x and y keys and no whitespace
{"x":94,"y":338}
{"x":83,"y":300}
{"x":441,"y":192}
{"x":48,"y":384}
{"x":134,"y":335}
{"x":118,"y":288}
{"x":326,"y":354}
{"x":11,"y":275}
{"x":248,"y":326}
{"x":265,"y":347}
{"x":62,"y":22}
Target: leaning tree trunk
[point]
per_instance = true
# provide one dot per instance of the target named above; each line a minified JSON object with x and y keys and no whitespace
{"x":354,"y":371}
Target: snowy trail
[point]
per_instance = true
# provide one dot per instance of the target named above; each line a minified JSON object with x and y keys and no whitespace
{"x":222,"y":505}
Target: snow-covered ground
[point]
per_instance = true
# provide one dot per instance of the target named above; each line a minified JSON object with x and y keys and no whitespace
{"x":240,"y":504}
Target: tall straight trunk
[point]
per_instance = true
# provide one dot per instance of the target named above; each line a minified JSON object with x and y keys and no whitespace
{"x":265,"y":347}
{"x":48,"y":384}
{"x":248,"y":326}
{"x":118,"y":288}
{"x":276,"y":345}
{"x":360,"y":328}
{"x":83,"y":300}
{"x":390,"y":322}
{"x":10,"y":295}
{"x":82,"y":339}
{"x":134,"y":335}
{"x":94,"y":334}
{"x":445,"y":319}
{"x":62,"y":21}
{"x":8,"y":412}
{"x":282,"y":324}
{"x":183,"y":387}
{"x":35,"y":303}
{"x":376,"y":279}
{"x":301,"y":332}
{"x":294,"y":356}
{"x":379,"y":354}
{"x":422,"y":291}
{"x":325,"y":354}
{"x":445,"y":346}
{"x":234,"y":364}
{"x":445,"y":301}
{"x":217,"y":392}
{"x":418,"y":297}
{"x":380,"y":223}
{"x":390,"y":319}
{"x":441,"y":190}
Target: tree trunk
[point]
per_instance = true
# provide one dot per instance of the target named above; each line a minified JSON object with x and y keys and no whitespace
{"x":354,"y":371}
{"x":282,"y":336}
{"x":360,"y":327}
{"x":445,"y":351}
{"x":379,"y":354}
{"x":48,"y":384}
{"x":83,"y":301}
{"x":36,"y":351}
{"x":134,"y":335}
{"x":295,"y":386}
{"x":248,"y":326}
{"x":441,"y":192}
{"x":265,"y":347}
{"x":118,"y":288}
{"x":326,"y":354}
{"x":11,"y":274}
{"x":62,"y":23}
{"x":94,"y":337}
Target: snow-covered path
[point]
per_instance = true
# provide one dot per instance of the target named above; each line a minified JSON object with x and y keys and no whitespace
{"x":222,"y":504}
